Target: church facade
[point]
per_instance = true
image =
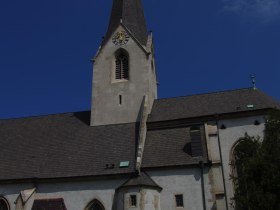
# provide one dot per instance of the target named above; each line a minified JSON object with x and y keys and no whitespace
{"x":131,"y":151}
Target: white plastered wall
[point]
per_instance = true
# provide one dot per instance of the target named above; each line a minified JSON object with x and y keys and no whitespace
{"x":185,"y":181}
{"x":76,"y":195}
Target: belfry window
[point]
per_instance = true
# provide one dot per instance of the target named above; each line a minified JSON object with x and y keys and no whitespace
{"x":121,"y":66}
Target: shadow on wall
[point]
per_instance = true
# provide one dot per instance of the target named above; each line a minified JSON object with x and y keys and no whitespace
{"x":115,"y":201}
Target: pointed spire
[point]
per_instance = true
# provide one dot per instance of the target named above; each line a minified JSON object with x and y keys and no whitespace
{"x":130,"y":13}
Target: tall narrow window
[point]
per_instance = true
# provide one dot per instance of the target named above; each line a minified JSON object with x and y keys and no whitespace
{"x":122,"y":66}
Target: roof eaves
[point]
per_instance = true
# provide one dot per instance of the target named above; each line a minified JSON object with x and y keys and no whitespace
{"x":201,"y":119}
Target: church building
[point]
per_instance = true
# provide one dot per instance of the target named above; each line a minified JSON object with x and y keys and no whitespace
{"x":131,"y":151}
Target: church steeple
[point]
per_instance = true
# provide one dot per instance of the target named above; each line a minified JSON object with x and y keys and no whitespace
{"x":130,"y":13}
{"x":124,"y":75}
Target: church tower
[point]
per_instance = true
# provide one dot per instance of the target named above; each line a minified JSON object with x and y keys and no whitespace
{"x":124,"y":74}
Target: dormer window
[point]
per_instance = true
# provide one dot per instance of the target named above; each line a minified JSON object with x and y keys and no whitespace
{"x":121,"y":66}
{"x":196,"y":141}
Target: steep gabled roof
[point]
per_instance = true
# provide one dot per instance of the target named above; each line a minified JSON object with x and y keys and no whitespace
{"x":64,"y":145}
{"x":140,"y":180}
{"x":211,"y":104}
{"x":131,"y":14}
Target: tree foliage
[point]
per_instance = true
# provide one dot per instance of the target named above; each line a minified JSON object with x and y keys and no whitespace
{"x":257,"y":169}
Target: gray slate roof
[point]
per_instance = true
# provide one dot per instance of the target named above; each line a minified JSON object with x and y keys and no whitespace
{"x":200,"y":105}
{"x":132,"y":15}
{"x":64,"y":145}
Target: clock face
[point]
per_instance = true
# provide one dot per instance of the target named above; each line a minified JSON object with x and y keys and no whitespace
{"x":120,"y":38}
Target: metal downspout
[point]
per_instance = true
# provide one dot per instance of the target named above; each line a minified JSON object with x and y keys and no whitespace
{"x":202,"y":184}
{"x":221,"y":158}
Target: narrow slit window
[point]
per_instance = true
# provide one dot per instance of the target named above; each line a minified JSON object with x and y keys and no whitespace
{"x":179,"y":200}
{"x":120,"y":99}
{"x":122,"y":67}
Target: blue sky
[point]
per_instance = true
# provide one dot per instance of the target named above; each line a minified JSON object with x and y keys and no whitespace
{"x":201,"y":46}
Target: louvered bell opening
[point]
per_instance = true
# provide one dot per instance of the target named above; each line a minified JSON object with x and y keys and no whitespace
{"x":124,"y":68}
{"x":118,"y":68}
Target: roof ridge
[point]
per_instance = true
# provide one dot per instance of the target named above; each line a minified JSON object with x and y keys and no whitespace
{"x":66,"y":113}
{"x":208,"y":93}
{"x":43,"y":115}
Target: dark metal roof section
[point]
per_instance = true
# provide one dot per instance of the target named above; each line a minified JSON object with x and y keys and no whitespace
{"x":142,"y":180}
{"x":211,"y":104}
{"x":131,"y":13}
{"x":49,"y":204}
{"x":64,"y":145}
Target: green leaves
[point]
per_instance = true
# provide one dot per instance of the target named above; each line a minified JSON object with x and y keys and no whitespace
{"x":256,"y":166}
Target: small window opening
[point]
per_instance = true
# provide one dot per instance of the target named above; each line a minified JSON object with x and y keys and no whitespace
{"x":133,"y":201}
{"x":179,"y":200}
{"x":124,"y":164}
{"x":250,"y":106}
{"x":257,"y":122}
{"x":122,"y":67}
{"x":120,"y":99}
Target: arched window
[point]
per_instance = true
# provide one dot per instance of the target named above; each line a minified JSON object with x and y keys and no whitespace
{"x":244,"y":158}
{"x":121,"y":65}
{"x":240,"y":152}
{"x":234,"y":165}
{"x":95,"y":205}
{"x":4,"y":204}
